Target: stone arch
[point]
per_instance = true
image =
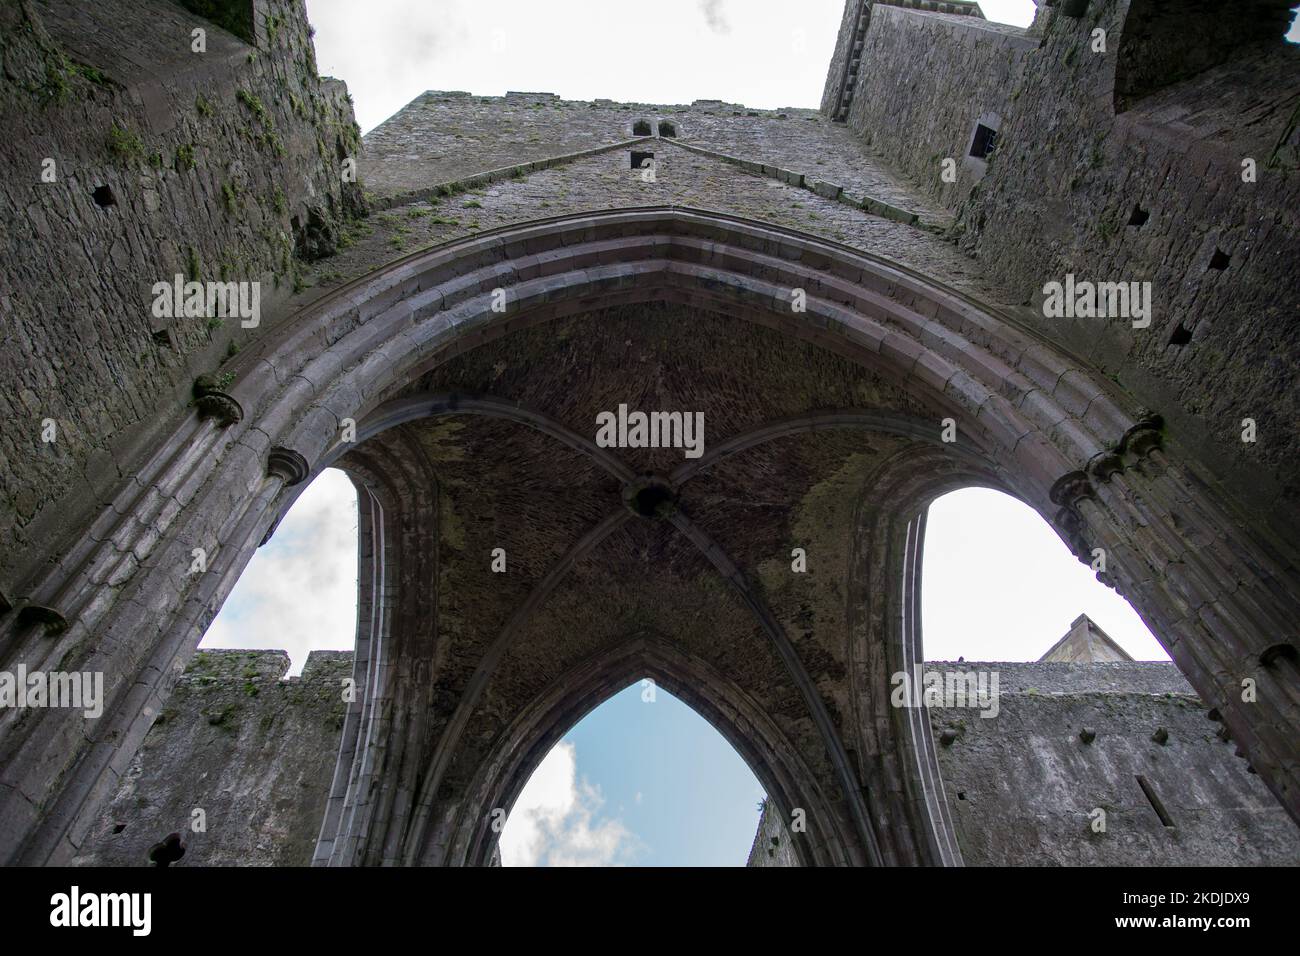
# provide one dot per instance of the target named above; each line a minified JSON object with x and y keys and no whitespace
{"x":1046,"y":428}
{"x":534,"y":732}
{"x":388,"y":421}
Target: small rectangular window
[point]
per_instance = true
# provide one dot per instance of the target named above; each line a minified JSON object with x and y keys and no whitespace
{"x":984,"y":141}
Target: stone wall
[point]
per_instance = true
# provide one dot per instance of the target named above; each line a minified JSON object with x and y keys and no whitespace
{"x":1022,"y":786}
{"x":1106,"y":173}
{"x":253,"y":751}
{"x":926,"y":79}
{"x":772,"y":845}
{"x":442,"y":138}
{"x":128,"y":158}
{"x":1156,"y":194}
{"x":256,"y":753}
{"x":845,"y":41}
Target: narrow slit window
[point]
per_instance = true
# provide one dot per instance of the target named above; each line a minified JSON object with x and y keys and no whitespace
{"x":1154,"y":799}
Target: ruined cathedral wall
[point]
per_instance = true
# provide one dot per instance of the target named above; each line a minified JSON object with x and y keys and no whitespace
{"x":128,"y":158}
{"x":445,"y":138}
{"x":1024,"y":788}
{"x":1132,"y":149}
{"x":1160,"y":192}
{"x":845,"y":42}
{"x":254,"y":752}
{"x":925,"y":79}
{"x":772,"y":845}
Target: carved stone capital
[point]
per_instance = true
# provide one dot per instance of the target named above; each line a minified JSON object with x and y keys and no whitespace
{"x":220,"y":406}
{"x":1071,"y":488}
{"x":1142,"y":438}
{"x":1101,"y":466}
{"x":287,"y":464}
{"x":52,"y":619}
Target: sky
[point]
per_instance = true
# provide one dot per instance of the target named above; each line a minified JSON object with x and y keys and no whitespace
{"x":642,"y":780}
{"x":299,"y":592}
{"x":998,"y":585}
{"x":763,"y":53}
{"x":638,"y":783}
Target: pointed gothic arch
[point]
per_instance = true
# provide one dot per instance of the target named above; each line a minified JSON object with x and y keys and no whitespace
{"x":1030,"y":420}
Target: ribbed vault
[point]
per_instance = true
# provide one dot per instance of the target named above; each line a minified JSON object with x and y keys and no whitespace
{"x":472,"y":373}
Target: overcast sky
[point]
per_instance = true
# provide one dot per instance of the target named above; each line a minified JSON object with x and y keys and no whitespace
{"x":763,"y":53}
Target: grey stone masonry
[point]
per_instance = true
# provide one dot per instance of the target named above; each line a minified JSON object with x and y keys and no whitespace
{"x":256,"y":754}
{"x":1069,"y":740}
{"x":250,"y":750}
{"x":128,"y":158}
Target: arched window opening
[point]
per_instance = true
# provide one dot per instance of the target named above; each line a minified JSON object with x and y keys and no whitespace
{"x":1065,"y":711}
{"x":299,"y":591}
{"x":667,"y":129}
{"x":642,"y":780}
{"x":998,"y":584}
{"x":641,"y":128}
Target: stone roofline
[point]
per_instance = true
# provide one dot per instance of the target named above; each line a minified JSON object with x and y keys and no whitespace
{"x":240,"y":664}
{"x":1015,"y":677}
{"x":1083,"y":620}
{"x":512,"y":96}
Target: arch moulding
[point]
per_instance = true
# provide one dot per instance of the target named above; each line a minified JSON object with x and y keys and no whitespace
{"x":1031,"y":420}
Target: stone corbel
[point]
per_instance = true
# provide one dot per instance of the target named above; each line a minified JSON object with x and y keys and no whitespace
{"x":1070,"y":489}
{"x":30,"y":615}
{"x":211,"y":402}
{"x":1135,"y":444}
{"x":288,"y":465}
{"x":1143,"y":438}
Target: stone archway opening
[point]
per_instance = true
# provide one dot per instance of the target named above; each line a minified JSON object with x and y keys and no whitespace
{"x":640,"y":780}
{"x":919,"y":389}
{"x":998,"y":584}
{"x":298,"y":593}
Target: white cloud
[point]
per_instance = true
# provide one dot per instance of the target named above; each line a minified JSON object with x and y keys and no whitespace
{"x":713,"y":16}
{"x":556,"y":820}
{"x":299,"y":591}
